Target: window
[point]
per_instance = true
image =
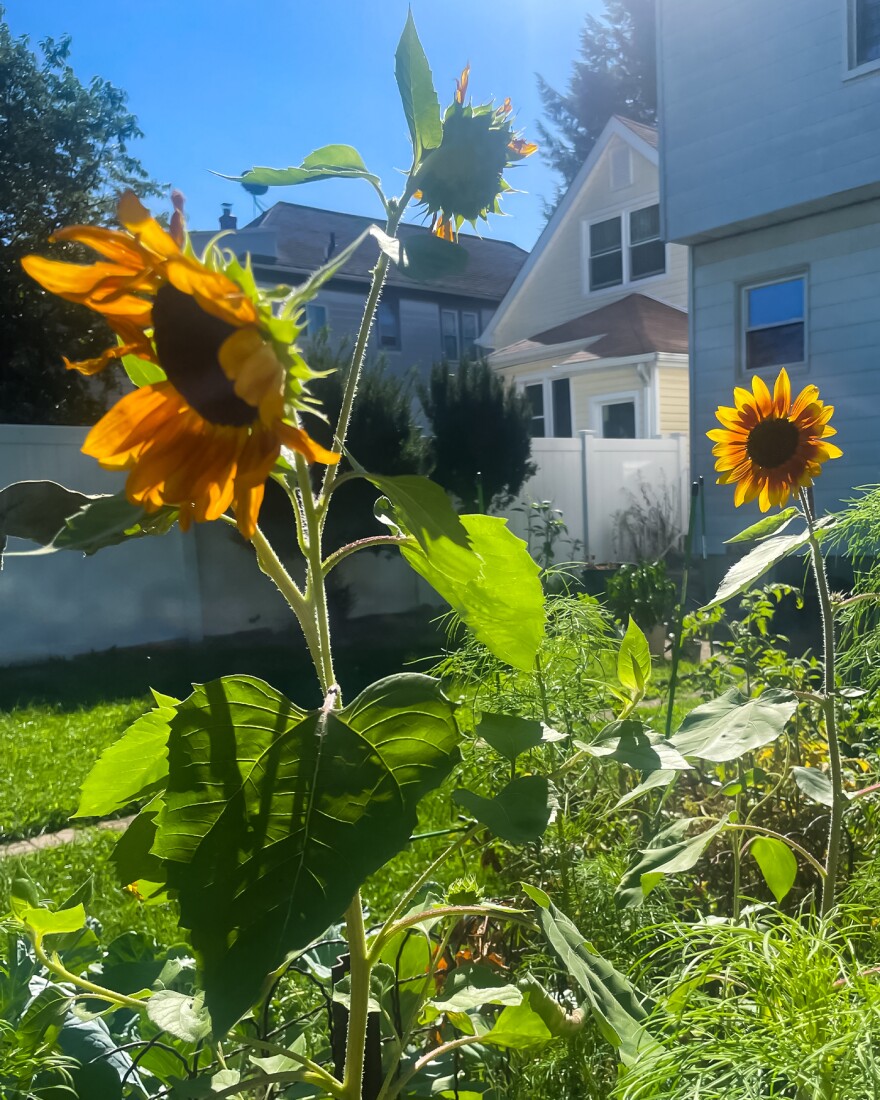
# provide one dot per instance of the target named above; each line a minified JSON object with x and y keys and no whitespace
{"x":621,"y":167}
{"x":316,"y":318}
{"x":647,"y":253}
{"x":774,"y":324}
{"x":389,"y":325}
{"x":458,"y":334}
{"x":619,"y":420}
{"x":606,"y":254}
{"x":550,"y":400}
{"x":865,"y":32}
{"x":449,"y":334}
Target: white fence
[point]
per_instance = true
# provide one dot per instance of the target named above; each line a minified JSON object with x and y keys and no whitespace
{"x":609,"y":490}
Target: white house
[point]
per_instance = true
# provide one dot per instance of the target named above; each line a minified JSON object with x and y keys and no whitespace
{"x":594,"y":327}
{"x":770,"y":172}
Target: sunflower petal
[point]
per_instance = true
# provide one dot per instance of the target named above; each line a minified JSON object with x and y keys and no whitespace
{"x":782,"y":393}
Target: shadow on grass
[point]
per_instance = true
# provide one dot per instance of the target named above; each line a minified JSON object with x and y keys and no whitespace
{"x":364,"y":650}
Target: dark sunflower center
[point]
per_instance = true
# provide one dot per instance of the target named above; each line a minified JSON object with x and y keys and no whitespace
{"x":773,"y":442}
{"x":188,"y":342}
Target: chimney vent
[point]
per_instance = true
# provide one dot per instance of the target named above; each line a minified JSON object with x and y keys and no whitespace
{"x":227,"y":219}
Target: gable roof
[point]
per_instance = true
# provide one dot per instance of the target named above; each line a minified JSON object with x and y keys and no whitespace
{"x":642,"y":138}
{"x":301,"y":236}
{"x":634,"y":325}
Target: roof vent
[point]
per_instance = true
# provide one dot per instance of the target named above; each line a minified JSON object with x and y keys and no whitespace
{"x":227,"y":219}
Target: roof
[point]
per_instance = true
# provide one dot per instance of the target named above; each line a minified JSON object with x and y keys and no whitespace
{"x":641,"y":138}
{"x":640,"y":129}
{"x":302,"y":236}
{"x":634,"y":325}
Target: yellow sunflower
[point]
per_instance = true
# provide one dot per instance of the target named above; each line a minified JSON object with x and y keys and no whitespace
{"x":770,"y":446}
{"x":207,"y":436}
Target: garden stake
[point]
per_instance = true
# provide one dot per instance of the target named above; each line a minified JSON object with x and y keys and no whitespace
{"x":679,"y":624}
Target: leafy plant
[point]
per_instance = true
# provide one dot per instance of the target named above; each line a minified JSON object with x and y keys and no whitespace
{"x":644,"y":591}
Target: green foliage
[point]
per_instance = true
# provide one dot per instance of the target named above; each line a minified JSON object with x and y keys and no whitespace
{"x":616,"y":74}
{"x":644,"y":592}
{"x":520,"y":812}
{"x":417,"y":94}
{"x":481,"y":434}
{"x":65,"y":153}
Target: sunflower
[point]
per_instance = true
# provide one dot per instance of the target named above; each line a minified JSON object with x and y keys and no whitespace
{"x":204,"y":437}
{"x":771,"y":446}
{"x":462,"y":179}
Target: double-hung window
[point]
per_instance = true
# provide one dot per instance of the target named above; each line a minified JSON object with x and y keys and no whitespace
{"x":550,"y":400}
{"x":774,"y":323}
{"x":458,"y":334}
{"x":389,"y":325}
{"x":626,"y":248}
{"x":864,"y":21}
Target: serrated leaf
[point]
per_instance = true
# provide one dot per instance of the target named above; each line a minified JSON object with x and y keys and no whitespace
{"x":130,"y":767}
{"x":424,"y":509}
{"x":510,"y":735}
{"x":275,"y":816}
{"x":132,"y":856}
{"x":815,"y":784}
{"x":777,"y":862}
{"x":629,"y":742}
{"x":618,"y":1008}
{"x":416,"y":84}
{"x":770,"y":525}
{"x":328,"y":162}
{"x":494,"y":586}
{"x":424,"y":258}
{"x":669,"y":853}
{"x":634,"y":661}
{"x":519,"y":813}
{"x":743,"y":574}
{"x":180,"y":1015}
{"x":109,"y":520}
{"x":733,"y":724}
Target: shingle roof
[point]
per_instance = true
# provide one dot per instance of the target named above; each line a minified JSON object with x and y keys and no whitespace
{"x":646,"y":133}
{"x":634,"y":325}
{"x":302,"y":234}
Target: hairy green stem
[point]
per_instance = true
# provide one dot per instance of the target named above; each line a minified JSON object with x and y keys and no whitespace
{"x":838,"y":802}
{"x":371,"y":543}
{"x":793,"y":844}
{"x":316,"y":592}
{"x":360,"y":967}
{"x":56,"y":967}
{"x":426,"y":1060}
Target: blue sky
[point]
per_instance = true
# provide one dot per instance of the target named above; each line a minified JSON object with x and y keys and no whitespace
{"x":225,"y":85}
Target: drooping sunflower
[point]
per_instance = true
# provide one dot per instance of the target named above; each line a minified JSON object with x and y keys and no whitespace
{"x":770,"y":446}
{"x":206,"y":436}
{"x":463,"y":178}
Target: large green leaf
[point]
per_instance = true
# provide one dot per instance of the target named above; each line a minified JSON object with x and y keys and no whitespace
{"x":669,"y":853}
{"x":519,"y":813}
{"x":777,"y":862}
{"x":130,"y":767}
{"x":509,"y":734}
{"x":424,"y":509}
{"x":417,"y":94}
{"x":36,"y":510}
{"x":617,"y":1007}
{"x":815,"y":784}
{"x":494,"y":586}
{"x":629,"y":742}
{"x":424,"y":257}
{"x":519,"y":1026}
{"x":733,"y":724}
{"x":634,"y":661}
{"x":769,"y":552}
{"x":328,"y":162}
{"x":274,"y":816}
{"x":469,"y":987}
{"x":764,"y":528}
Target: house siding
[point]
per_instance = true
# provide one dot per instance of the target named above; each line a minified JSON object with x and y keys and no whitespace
{"x":784,"y":125}
{"x":554,"y":290}
{"x":840,"y":251}
{"x":674,"y":401}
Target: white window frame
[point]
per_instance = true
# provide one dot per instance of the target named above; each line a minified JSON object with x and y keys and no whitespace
{"x":454,"y":314}
{"x":625,"y":244}
{"x":547,"y":380}
{"x":600,"y":400}
{"x":393,"y":305}
{"x":458,"y":315}
{"x":851,"y":68}
{"x":743,"y":319}
{"x":473,"y":351}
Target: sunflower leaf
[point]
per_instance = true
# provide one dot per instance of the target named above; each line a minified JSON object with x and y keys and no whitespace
{"x":141,"y":372}
{"x":109,"y":520}
{"x":733,"y":724}
{"x":36,"y":511}
{"x":519,"y":813}
{"x":274,"y":816}
{"x":425,"y":257}
{"x":328,"y":162}
{"x":417,"y":94}
{"x":777,"y":862}
{"x":668,"y":853}
{"x":770,"y":525}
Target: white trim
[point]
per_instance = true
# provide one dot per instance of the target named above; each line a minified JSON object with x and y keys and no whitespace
{"x":599,"y":400}
{"x":799,"y":367}
{"x":546,"y":379}
{"x":503,"y":358}
{"x":614,"y":128}
{"x":851,"y":70}
{"x":628,"y":283}
{"x":573,"y":369}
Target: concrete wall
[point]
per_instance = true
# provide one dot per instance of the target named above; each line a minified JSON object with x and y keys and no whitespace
{"x":760,"y":111}
{"x":840,"y":254}
{"x":557,"y":287}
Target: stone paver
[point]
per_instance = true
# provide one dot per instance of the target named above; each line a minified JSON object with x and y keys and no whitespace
{"x":53,"y":840}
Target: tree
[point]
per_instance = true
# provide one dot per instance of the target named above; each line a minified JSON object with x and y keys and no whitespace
{"x":481,"y":444}
{"x":617,"y":74}
{"x":64,"y":156}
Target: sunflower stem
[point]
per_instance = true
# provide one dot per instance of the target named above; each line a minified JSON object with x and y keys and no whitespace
{"x":838,"y":801}
{"x":316,"y":591}
{"x":359,"y":1004}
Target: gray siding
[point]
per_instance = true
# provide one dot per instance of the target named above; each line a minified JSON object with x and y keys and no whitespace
{"x":760,"y":113}
{"x":840,"y":251}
